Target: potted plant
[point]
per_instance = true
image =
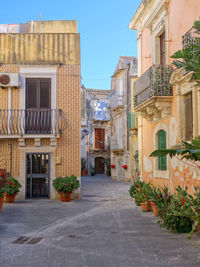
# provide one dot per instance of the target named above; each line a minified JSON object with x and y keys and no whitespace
{"x":11,"y":188}
{"x":65,"y":186}
{"x":145,"y":197}
{"x":92,"y":170}
{"x":83,"y":167}
{"x":1,"y":197}
{"x":155,"y":195}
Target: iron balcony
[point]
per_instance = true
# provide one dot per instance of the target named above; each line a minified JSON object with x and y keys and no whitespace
{"x":31,"y":122}
{"x":153,"y":82}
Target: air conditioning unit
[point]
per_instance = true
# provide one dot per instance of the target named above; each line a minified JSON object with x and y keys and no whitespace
{"x":9,"y":79}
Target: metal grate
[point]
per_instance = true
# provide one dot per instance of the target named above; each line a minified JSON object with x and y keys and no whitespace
{"x":27,"y":240}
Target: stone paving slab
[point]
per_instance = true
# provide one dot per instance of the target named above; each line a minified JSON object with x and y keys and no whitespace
{"x":104,"y":228}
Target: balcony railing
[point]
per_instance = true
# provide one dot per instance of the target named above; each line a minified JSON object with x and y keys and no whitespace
{"x":32,"y":121}
{"x":154,"y":82}
{"x":190,"y":38}
{"x":117,"y":101}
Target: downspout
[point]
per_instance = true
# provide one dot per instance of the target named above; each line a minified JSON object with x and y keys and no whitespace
{"x":127,"y":107}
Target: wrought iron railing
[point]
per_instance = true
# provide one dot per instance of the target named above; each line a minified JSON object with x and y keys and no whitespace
{"x":191,"y":38}
{"x":154,"y":82}
{"x":32,"y":121}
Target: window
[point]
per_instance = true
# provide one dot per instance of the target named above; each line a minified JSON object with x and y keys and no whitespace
{"x":162,"y":49}
{"x":162,"y":161}
{"x":189,"y":117}
{"x":120,"y":86}
{"x":120,"y":133}
{"x":99,"y":138}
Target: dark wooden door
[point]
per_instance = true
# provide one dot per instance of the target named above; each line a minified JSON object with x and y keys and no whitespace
{"x":99,"y":138}
{"x":38,"y":105}
{"x":99,"y":164}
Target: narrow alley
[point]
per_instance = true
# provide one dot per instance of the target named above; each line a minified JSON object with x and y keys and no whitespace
{"x":104,"y":228}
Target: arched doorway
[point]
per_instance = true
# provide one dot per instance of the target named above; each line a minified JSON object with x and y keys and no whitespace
{"x":99,"y":164}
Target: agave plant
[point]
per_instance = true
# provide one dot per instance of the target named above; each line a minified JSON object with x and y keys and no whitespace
{"x":187,"y":150}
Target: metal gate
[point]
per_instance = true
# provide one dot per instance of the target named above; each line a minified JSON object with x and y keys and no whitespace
{"x":37,"y":175}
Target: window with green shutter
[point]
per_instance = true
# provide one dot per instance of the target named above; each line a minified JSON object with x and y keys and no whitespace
{"x":162,"y":161}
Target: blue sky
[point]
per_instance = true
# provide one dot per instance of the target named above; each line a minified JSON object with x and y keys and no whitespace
{"x":103,"y":26}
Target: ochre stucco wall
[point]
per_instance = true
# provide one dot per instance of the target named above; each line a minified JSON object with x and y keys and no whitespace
{"x":181,"y":15}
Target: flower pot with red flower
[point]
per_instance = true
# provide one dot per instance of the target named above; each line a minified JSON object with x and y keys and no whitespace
{"x":156,"y":198}
{"x":11,"y":188}
{"x":112,"y":166}
{"x":124,"y":167}
{"x":1,"y":197}
{"x":65,"y":186}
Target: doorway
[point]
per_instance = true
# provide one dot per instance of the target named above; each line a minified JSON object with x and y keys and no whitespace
{"x":99,"y":165}
{"x":37,"y":175}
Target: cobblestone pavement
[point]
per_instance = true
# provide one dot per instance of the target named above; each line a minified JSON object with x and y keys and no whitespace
{"x":104,"y":228}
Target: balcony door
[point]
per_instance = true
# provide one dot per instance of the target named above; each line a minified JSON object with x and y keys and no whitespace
{"x":99,"y":138}
{"x":38,"y":106}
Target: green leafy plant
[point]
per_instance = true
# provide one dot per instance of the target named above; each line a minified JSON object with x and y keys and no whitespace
{"x":66,"y":184}
{"x":163,"y":201}
{"x":155,"y":194}
{"x":11,"y":186}
{"x":133,"y":188}
{"x":190,"y":208}
{"x":173,"y":220}
{"x":189,"y":151}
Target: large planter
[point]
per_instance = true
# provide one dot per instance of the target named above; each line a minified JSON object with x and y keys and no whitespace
{"x":154,"y":208}
{"x":65,"y":197}
{"x":83,"y":172}
{"x":145,"y":206}
{"x":1,"y":203}
{"x":182,"y":229}
{"x":10,"y":198}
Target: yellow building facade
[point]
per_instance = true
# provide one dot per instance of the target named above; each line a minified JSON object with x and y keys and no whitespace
{"x":40,"y":105}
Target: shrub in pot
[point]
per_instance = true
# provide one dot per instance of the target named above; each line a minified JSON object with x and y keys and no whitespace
{"x":1,"y":197}
{"x":145,"y":197}
{"x":135,"y":193}
{"x":155,"y":195}
{"x":11,"y":188}
{"x":174,"y":219}
{"x":65,"y":186}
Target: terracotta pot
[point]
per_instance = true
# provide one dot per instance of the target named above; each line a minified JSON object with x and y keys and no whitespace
{"x":154,"y":208}
{"x":10,"y":198}
{"x":83,"y":172}
{"x":1,"y":203}
{"x":65,"y":197}
{"x":145,"y":206}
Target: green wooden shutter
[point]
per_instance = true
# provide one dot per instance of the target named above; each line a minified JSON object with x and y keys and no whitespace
{"x":129,"y":121}
{"x":162,"y":161}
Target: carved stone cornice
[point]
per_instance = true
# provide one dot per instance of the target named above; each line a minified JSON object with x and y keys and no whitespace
{"x":155,"y":108}
{"x":147,"y":13}
{"x":181,"y":79}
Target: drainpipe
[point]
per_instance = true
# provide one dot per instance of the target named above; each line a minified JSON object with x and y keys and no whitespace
{"x":127,"y":107}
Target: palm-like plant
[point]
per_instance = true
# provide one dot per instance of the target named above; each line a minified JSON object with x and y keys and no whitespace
{"x":187,"y":150}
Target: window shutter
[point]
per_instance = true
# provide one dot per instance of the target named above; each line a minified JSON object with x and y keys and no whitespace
{"x":99,"y":138}
{"x":31,"y":93}
{"x":45,"y":93}
{"x":189,"y":116}
{"x":162,"y":161}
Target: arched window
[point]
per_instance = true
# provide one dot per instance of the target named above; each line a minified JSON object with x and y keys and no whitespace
{"x":162,"y":161}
